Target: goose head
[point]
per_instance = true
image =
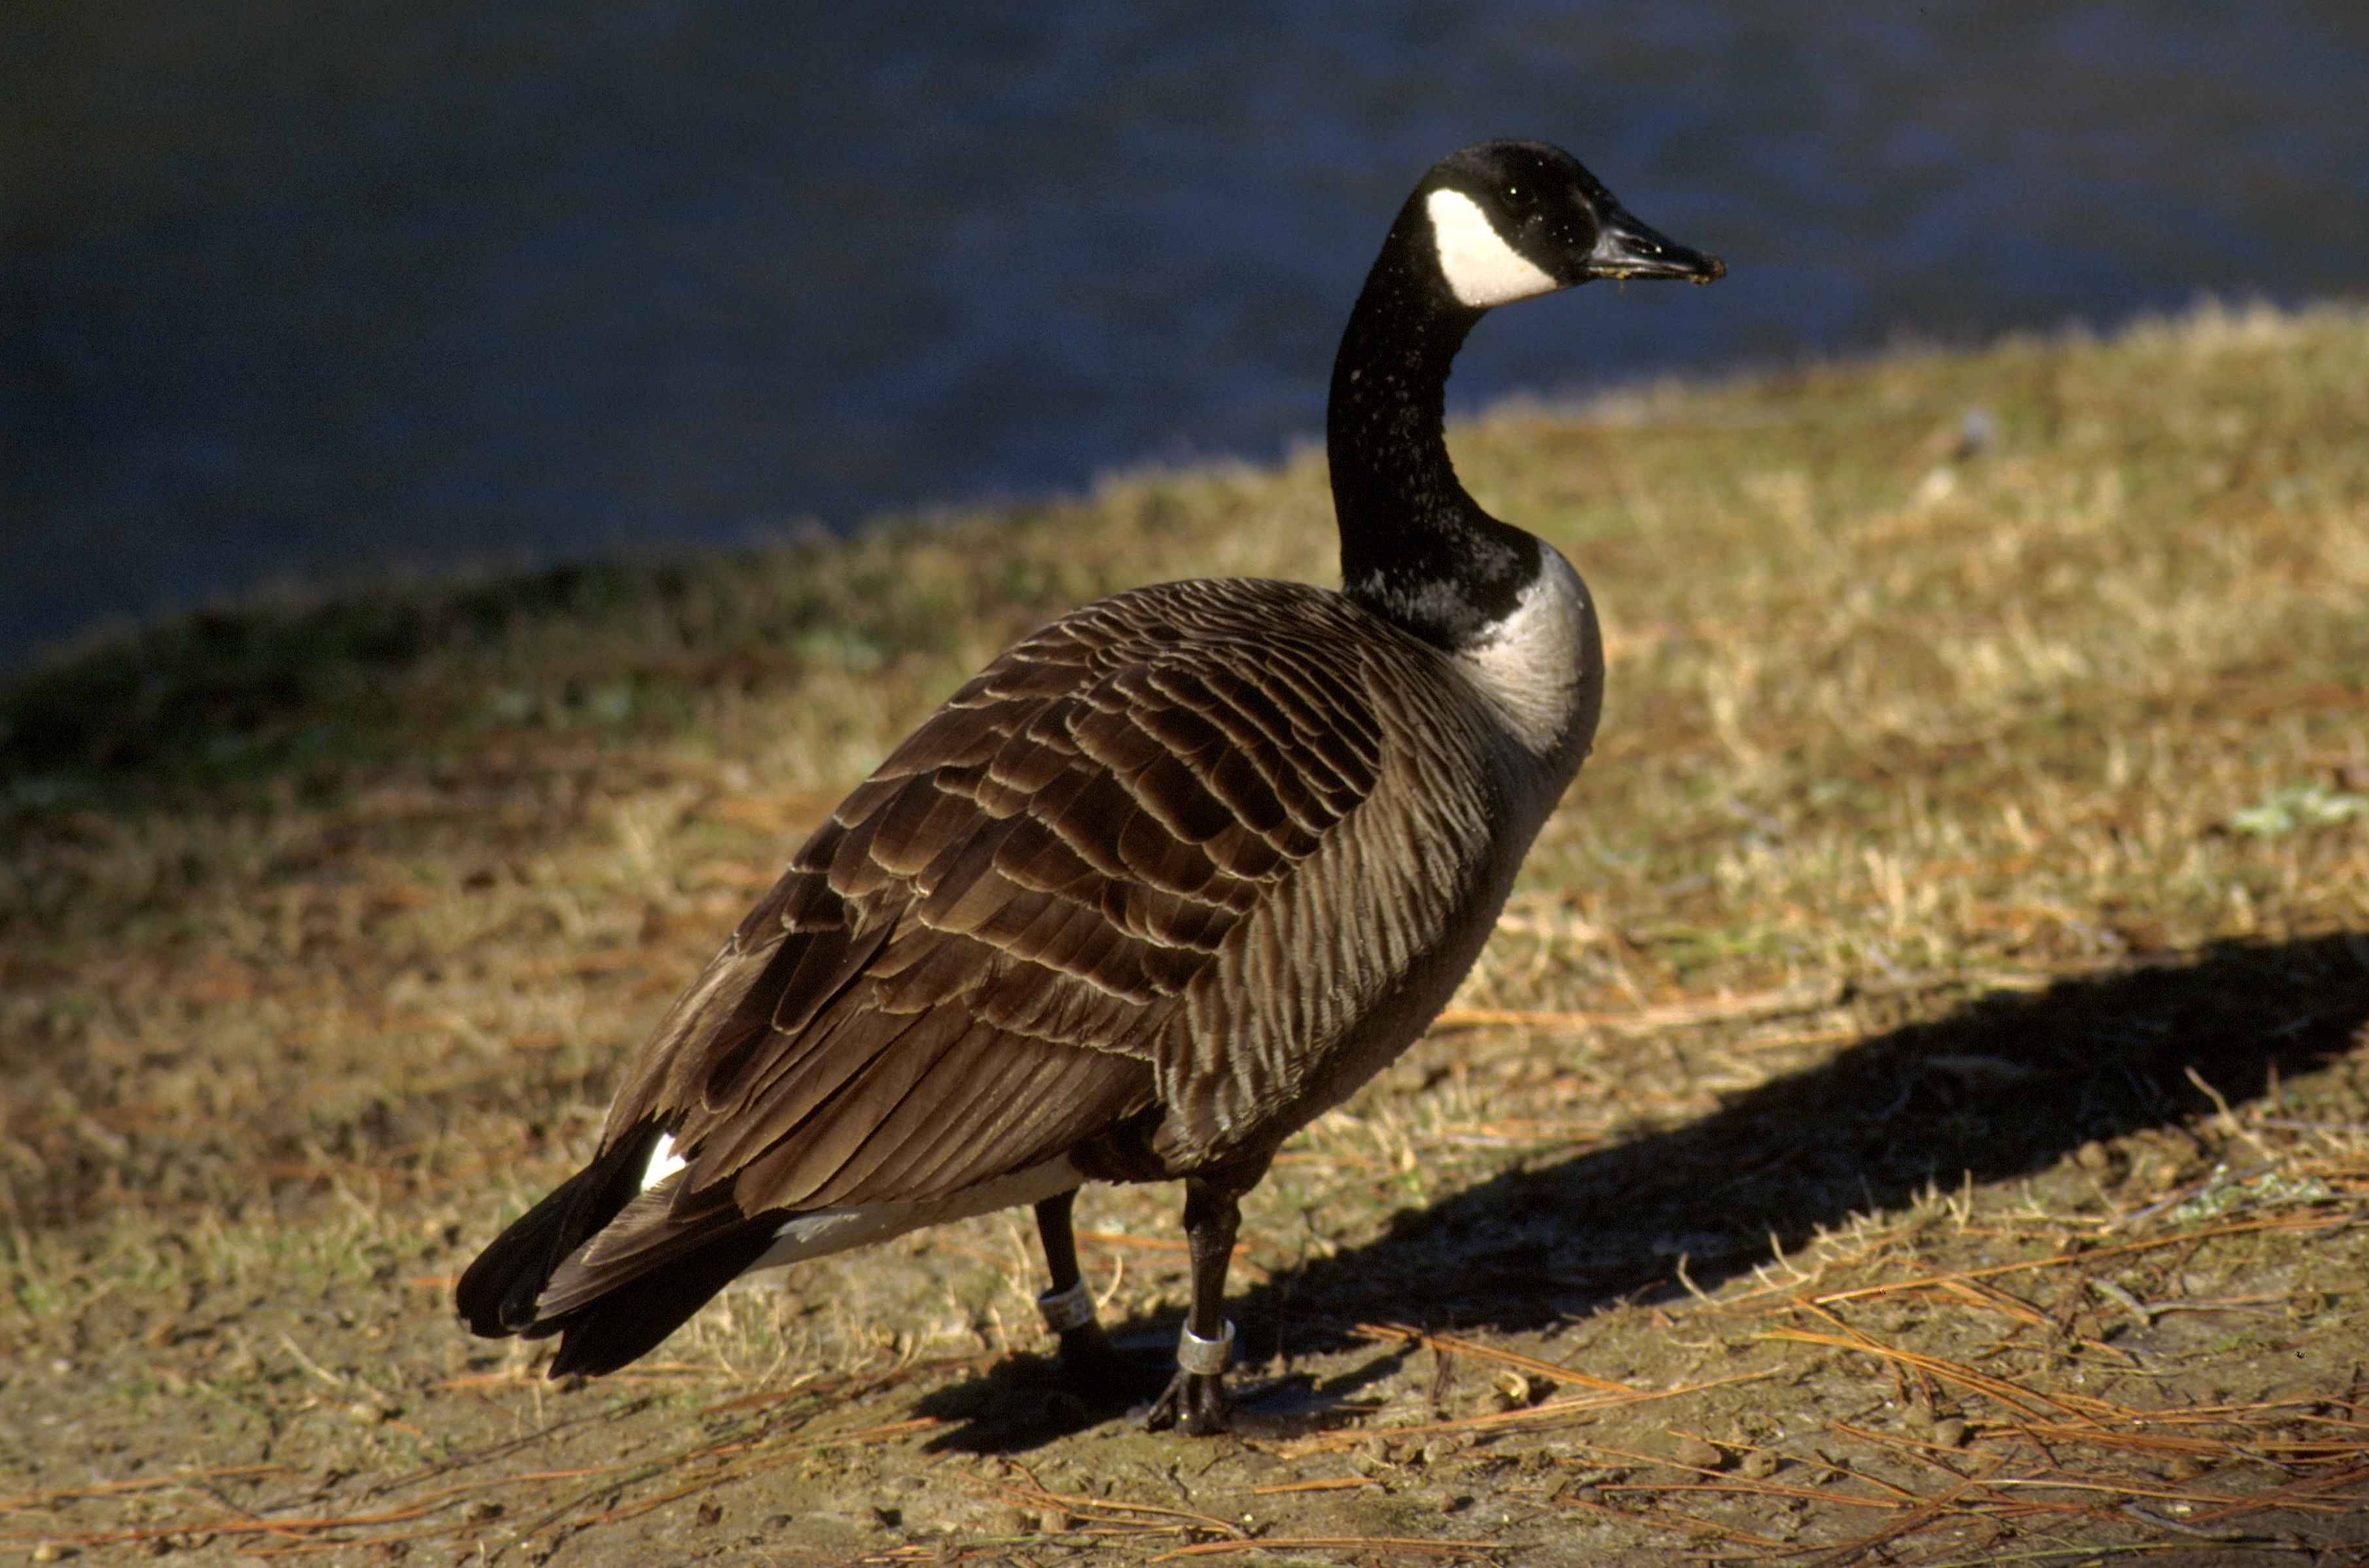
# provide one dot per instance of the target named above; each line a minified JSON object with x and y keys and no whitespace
{"x":1509,"y":221}
{"x":1495,"y":222}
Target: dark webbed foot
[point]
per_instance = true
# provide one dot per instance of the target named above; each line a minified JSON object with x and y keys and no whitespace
{"x":1104,"y":1377}
{"x":1195,"y":1401}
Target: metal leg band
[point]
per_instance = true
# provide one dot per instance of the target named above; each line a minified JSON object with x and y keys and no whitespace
{"x":1206,"y":1357}
{"x":1067,"y":1310}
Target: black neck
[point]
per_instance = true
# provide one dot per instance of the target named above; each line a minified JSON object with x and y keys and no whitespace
{"x":1414,"y":547}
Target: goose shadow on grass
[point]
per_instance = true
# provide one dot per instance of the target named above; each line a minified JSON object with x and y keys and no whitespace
{"x":2002,"y":1088}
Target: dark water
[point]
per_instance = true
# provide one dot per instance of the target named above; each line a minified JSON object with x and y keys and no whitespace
{"x":313,"y":290}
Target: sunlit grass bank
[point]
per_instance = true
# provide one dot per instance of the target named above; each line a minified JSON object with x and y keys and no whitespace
{"x":1972,"y":874}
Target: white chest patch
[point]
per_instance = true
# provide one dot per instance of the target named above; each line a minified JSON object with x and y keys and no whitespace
{"x":1481,"y":269}
{"x":1540,"y":663}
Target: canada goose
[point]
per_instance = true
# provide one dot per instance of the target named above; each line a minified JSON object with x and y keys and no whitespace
{"x":1157,"y":885}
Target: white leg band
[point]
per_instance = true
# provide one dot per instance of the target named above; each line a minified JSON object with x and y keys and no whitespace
{"x":1206,"y":1357}
{"x":1067,"y":1310}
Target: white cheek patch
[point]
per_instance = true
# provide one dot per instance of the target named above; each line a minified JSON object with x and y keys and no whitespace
{"x":1481,"y":269}
{"x":664,"y":1161}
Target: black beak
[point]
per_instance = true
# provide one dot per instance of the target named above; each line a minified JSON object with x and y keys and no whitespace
{"x":1627,"y":248}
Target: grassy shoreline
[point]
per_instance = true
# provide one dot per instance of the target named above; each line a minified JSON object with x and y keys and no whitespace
{"x":1971,"y":885}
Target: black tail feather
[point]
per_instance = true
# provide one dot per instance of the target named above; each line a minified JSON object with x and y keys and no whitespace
{"x":627,"y":1321}
{"x":520,"y":1258}
{"x":498,"y":1293}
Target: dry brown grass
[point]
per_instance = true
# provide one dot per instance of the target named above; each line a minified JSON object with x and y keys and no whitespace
{"x":1913,"y":1110}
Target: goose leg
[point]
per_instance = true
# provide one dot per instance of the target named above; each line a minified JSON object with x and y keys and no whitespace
{"x":1196,"y":1395}
{"x":1087,"y":1355}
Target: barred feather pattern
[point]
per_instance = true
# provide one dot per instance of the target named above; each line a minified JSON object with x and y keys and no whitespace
{"x":1162,"y":882}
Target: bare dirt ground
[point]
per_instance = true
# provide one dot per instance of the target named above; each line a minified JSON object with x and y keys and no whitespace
{"x":1915,"y":1110}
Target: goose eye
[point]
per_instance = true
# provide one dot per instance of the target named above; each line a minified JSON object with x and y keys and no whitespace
{"x":1521,"y":202}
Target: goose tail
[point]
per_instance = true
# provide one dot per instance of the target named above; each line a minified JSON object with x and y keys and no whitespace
{"x":502,"y":1293}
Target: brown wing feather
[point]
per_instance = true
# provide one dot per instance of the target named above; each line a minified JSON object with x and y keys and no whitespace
{"x":965,"y":970}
